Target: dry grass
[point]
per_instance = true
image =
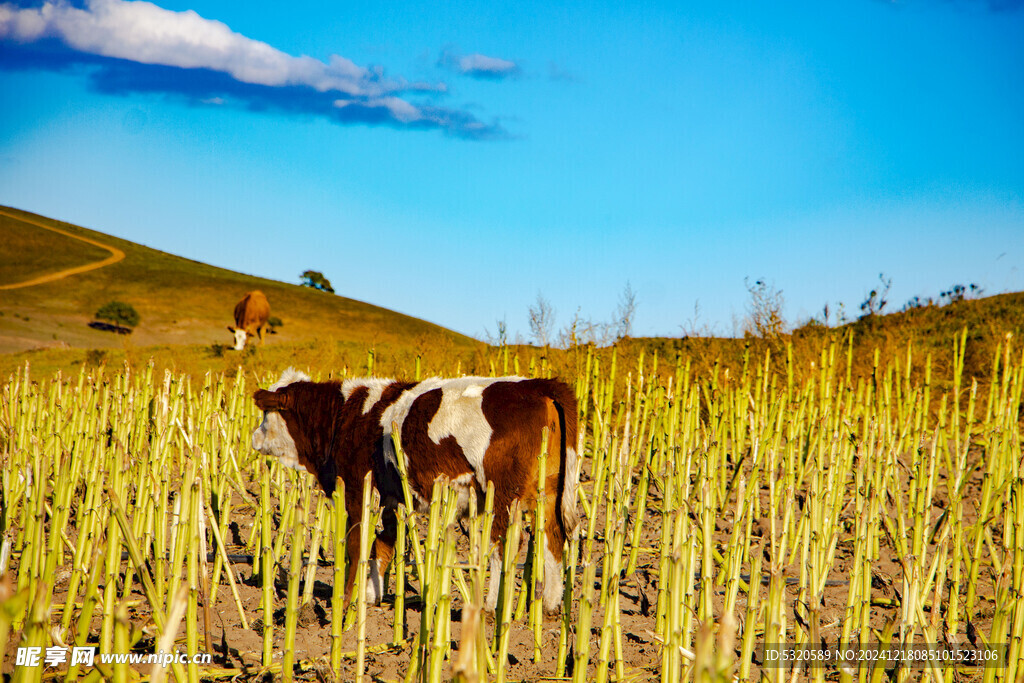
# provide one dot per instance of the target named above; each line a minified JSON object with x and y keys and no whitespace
{"x":181,"y":302}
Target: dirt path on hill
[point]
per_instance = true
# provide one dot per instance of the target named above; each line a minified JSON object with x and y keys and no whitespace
{"x":115,"y":255}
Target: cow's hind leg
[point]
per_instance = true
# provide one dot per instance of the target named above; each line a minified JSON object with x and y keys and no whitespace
{"x":499,"y":532}
{"x":554,"y":540}
{"x":494,"y":582}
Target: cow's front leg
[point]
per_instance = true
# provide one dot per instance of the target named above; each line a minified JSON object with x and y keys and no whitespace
{"x":382,"y":549}
{"x":380,"y":556}
{"x":352,"y":553}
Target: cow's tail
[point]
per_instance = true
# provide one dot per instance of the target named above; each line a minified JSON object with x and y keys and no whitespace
{"x":565,"y":403}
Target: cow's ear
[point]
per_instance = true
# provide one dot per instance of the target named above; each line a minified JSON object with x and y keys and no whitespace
{"x":230,"y":329}
{"x":272,"y":400}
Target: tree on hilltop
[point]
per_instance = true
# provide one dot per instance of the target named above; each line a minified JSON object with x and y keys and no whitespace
{"x":316,"y":280}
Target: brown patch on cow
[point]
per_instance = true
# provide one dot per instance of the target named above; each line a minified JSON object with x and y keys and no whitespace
{"x":363,"y":441}
{"x":310,"y":411}
{"x":511,"y":457}
{"x":428,"y":460}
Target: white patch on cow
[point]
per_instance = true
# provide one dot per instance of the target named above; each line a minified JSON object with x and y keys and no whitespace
{"x":239,"y":340}
{"x":397,"y":411}
{"x":272,"y":438}
{"x":374,"y":583}
{"x":552,"y":580}
{"x":289,"y":376}
{"x":459,"y":415}
{"x":375,"y":387}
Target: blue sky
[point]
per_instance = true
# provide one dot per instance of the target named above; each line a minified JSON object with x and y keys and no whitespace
{"x":451,"y":162}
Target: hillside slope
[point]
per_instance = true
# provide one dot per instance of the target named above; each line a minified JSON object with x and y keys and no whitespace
{"x":179,"y":301}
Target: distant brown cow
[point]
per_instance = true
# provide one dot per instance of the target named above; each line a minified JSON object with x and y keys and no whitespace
{"x":470,"y":430}
{"x":251,"y":315}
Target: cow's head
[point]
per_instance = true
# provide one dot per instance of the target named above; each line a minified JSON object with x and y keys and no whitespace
{"x":239,"y":337}
{"x":272,"y":437}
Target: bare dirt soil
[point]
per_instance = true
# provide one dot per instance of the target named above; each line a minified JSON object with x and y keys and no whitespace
{"x":239,"y":650}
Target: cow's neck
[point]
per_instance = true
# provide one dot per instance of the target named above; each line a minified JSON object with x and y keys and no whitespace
{"x":321,"y":433}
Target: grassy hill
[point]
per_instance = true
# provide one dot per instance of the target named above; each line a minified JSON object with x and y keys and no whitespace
{"x":180,"y":302}
{"x":29,"y":251}
{"x":185,"y":307}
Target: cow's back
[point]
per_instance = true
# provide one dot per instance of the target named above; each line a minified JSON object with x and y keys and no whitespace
{"x":252,"y":311}
{"x":473,"y":430}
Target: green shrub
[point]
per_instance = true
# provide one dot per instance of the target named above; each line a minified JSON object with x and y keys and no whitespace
{"x":95,"y":356}
{"x":119,"y":314}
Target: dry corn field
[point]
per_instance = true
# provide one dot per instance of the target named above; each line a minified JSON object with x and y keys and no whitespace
{"x":720,"y":513}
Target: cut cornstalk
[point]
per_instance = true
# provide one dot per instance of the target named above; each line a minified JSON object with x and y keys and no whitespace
{"x":340,"y":530}
{"x":362,"y":576}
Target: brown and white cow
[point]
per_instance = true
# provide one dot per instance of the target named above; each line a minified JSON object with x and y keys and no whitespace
{"x":251,"y":315}
{"x":471,"y":430}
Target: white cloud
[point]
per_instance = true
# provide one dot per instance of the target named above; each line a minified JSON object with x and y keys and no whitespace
{"x":21,"y":24}
{"x":143,"y":32}
{"x":397,"y":107}
{"x":477,"y":63}
{"x":138,"y":37}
